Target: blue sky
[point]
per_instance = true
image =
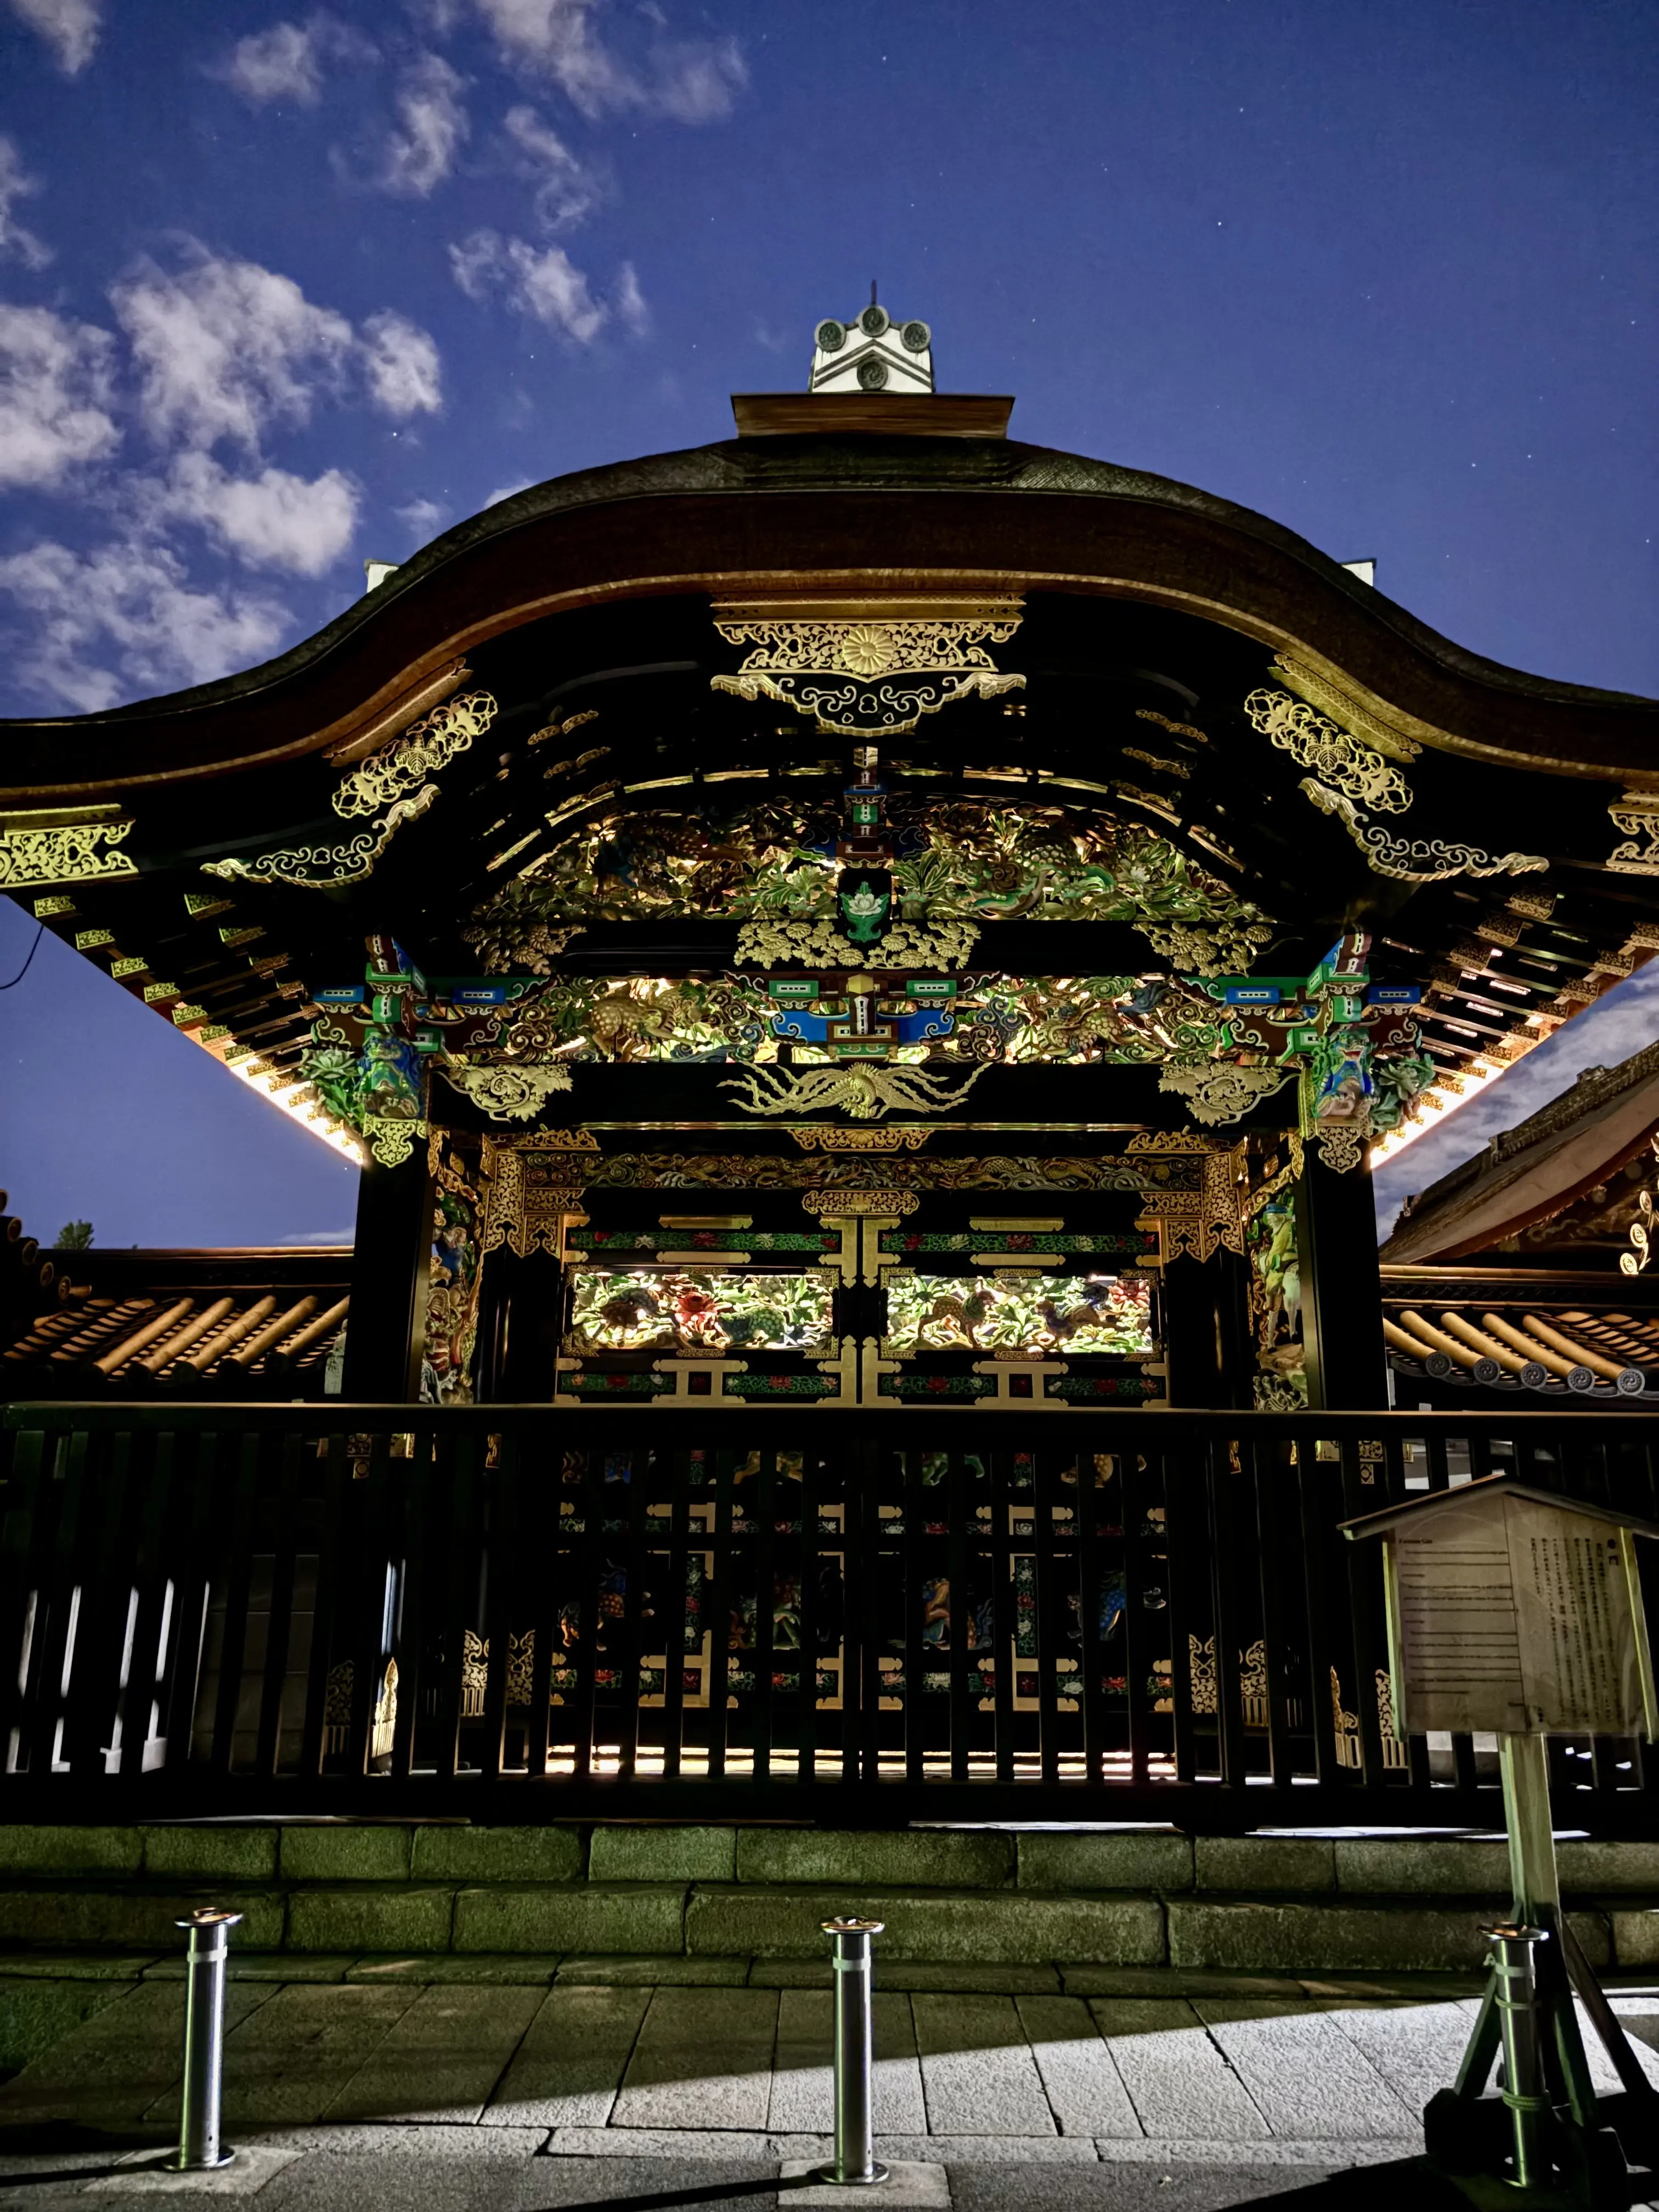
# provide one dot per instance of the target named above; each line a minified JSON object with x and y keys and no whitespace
{"x":280,"y":291}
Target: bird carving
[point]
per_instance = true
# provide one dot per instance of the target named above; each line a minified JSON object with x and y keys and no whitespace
{"x":864,"y":1092}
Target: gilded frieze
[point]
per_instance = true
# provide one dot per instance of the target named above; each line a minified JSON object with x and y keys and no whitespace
{"x":868,"y":669}
{"x":409,"y":760}
{"x":1418,"y":859}
{"x":45,"y":848}
{"x":865,"y":1089}
{"x":326,"y":868}
{"x":1313,"y":740}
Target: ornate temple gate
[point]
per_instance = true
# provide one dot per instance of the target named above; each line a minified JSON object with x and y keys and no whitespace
{"x":821,"y":938}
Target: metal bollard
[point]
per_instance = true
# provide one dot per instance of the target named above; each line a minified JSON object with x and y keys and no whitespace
{"x":854,"y":2160}
{"x":204,"y":2040}
{"x":1517,"y":2017}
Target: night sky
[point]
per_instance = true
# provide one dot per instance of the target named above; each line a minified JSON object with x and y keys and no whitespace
{"x":279,"y":293}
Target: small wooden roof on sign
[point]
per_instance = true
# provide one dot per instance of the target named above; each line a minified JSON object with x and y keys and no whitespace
{"x":1497,"y":1487}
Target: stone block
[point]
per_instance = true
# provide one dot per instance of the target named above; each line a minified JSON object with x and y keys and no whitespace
{"x":35,"y":2015}
{"x":1303,"y":1864}
{"x":942,"y":1925}
{"x":130,"y":1919}
{"x":1589,"y":1868}
{"x":425,"y":1968}
{"x":59,"y":1851}
{"x":345,"y":1852}
{"x":1635,"y":1936}
{"x":208,"y":1852}
{"x":1127,"y":1859}
{"x":370,"y":1916}
{"x":580,"y":1916}
{"x":1423,"y":1866}
{"x":913,"y":1858}
{"x":1299,"y":1939}
{"x":467,"y":1855}
{"x":622,"y":1971}
{"x":652,"y":1854}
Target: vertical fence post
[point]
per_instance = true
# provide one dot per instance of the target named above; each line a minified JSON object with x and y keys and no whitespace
{"x":854,"y":2161}
{"x":204,"y":2040}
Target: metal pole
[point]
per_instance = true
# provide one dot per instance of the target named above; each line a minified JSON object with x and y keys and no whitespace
{"x":1517,"y":2016}
{"x":204,"y":2040}
{"x":854,"y":2161}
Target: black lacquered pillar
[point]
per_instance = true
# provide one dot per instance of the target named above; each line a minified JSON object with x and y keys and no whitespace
{"x":1342,"y":1288}
{"x":392,"y":1259}
{"x":1207,"y":1332}
{"x":519,"y":1317}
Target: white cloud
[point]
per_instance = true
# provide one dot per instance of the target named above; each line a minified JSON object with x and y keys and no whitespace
{"x":273,"y":520}
{"x":401,"y":366}
{"x":54,"y":397}
{"x":286,"y":62}
{"x":226,"y":348}
{"x":133,"y":605}
{"x":568,"y":189}
{"x":546,"y":285}
{"x":506,"y":491}
{"x":629,"y":301}
{"x":70,"y":27}
{"x":423,"y":518}
{"x":420,"y":154}
{"x":695,"y":80}
{"x":16,"y":185}
{"x":221,"y":348}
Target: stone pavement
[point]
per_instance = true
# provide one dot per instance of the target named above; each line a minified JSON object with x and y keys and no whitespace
{"x":1183,"y":2092}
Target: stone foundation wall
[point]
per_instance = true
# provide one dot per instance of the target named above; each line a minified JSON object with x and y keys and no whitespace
{"x":1108,"y":1897}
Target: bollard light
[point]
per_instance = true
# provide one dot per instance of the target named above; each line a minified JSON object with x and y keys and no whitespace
{"x":855,"y":2161}
{"x":199,"y":2148}
{"x":1517,"y":1989}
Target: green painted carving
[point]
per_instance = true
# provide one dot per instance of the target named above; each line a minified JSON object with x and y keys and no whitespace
{"x":1099,"y":1314}
{"x":641,"y":1309}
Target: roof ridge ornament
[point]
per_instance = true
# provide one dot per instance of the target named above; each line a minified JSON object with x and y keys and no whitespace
{"x":872,"y":353}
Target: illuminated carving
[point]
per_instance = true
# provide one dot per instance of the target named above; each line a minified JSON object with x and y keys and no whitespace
{"x":43,"y":848}
{"x":505,"y":1091}
{"x":1103,"y":1314}
{"x":866,"y":1090}
{"x":912,"y":945}
{"x":1218,"y":1091}
{"x":322,"y":867}
{"x":403,"y":766}
{"x":1635,"y":815}
{"x":859,"y":670}
{"x":1417,"y":860}
{"x":819,"y":1139}
{"x":1314,"y":741}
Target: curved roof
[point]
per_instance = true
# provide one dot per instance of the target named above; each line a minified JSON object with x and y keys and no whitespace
{"x":750,"y":514}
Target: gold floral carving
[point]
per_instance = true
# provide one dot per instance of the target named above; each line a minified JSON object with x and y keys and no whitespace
{"x":1636,"y":815}
{"x":1417,"y":860}
{"x":846,"y":1204}
{"x":862,"y":668}
{"x":1314,"y":741}
{"x":43,"y":848}
{"x":549,"y":1140}
{"x":1332,"y":698}
{"x":1342,"y":1144}
{"x":322,"y":867}
{"x":864,"y":1089}
{"x":391,"y":1142}
{"x":1218,"y":1091}
{"x":519,"y":1211}
{"x":1176,"y":729}
{"x":906,"y":945}
{"x":1171,"y":1140}
{"x":506,"y":1092}
{"x":1200,"y":1222}
{"x":406,"y":763}
{"x":818,"y":1139}
{"x":1221,"y":948}
{"x":975,"y":1173}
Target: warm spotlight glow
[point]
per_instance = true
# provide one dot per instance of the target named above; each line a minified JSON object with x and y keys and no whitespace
{"x":298,"y":1101}
{"x":1428,"y":1110}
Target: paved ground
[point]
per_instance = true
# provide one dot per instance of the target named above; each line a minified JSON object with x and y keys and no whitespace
{"x":397,"y":2096}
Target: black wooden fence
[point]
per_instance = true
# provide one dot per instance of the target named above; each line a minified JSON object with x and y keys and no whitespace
{"x":518,"y":1613}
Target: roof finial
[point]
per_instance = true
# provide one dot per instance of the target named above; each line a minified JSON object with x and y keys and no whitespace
{"x":873,"y":354}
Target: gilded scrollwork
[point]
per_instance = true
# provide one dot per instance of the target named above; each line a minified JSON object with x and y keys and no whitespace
{"x":1219,"y":1090}
{"x":815,"y":1139}
{"x":324,"y":867}
{"x":866,"y":670}
{"x":1314,"y":741}
{"x":391,"y":1141}
{"x":505,"y":1091}
{"x":1329,"y":697}
{"x":45,"y":848}
{"x":407,"y":761}
{"x":522,"y":1206}
{"x":850,"y":1203}
{"x":865,"y":1089}
{"x":1416,"y":860}
{"x":1636,"y":817}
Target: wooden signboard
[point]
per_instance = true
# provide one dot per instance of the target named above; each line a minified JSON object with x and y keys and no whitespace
{"x":1514,"y":1611}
